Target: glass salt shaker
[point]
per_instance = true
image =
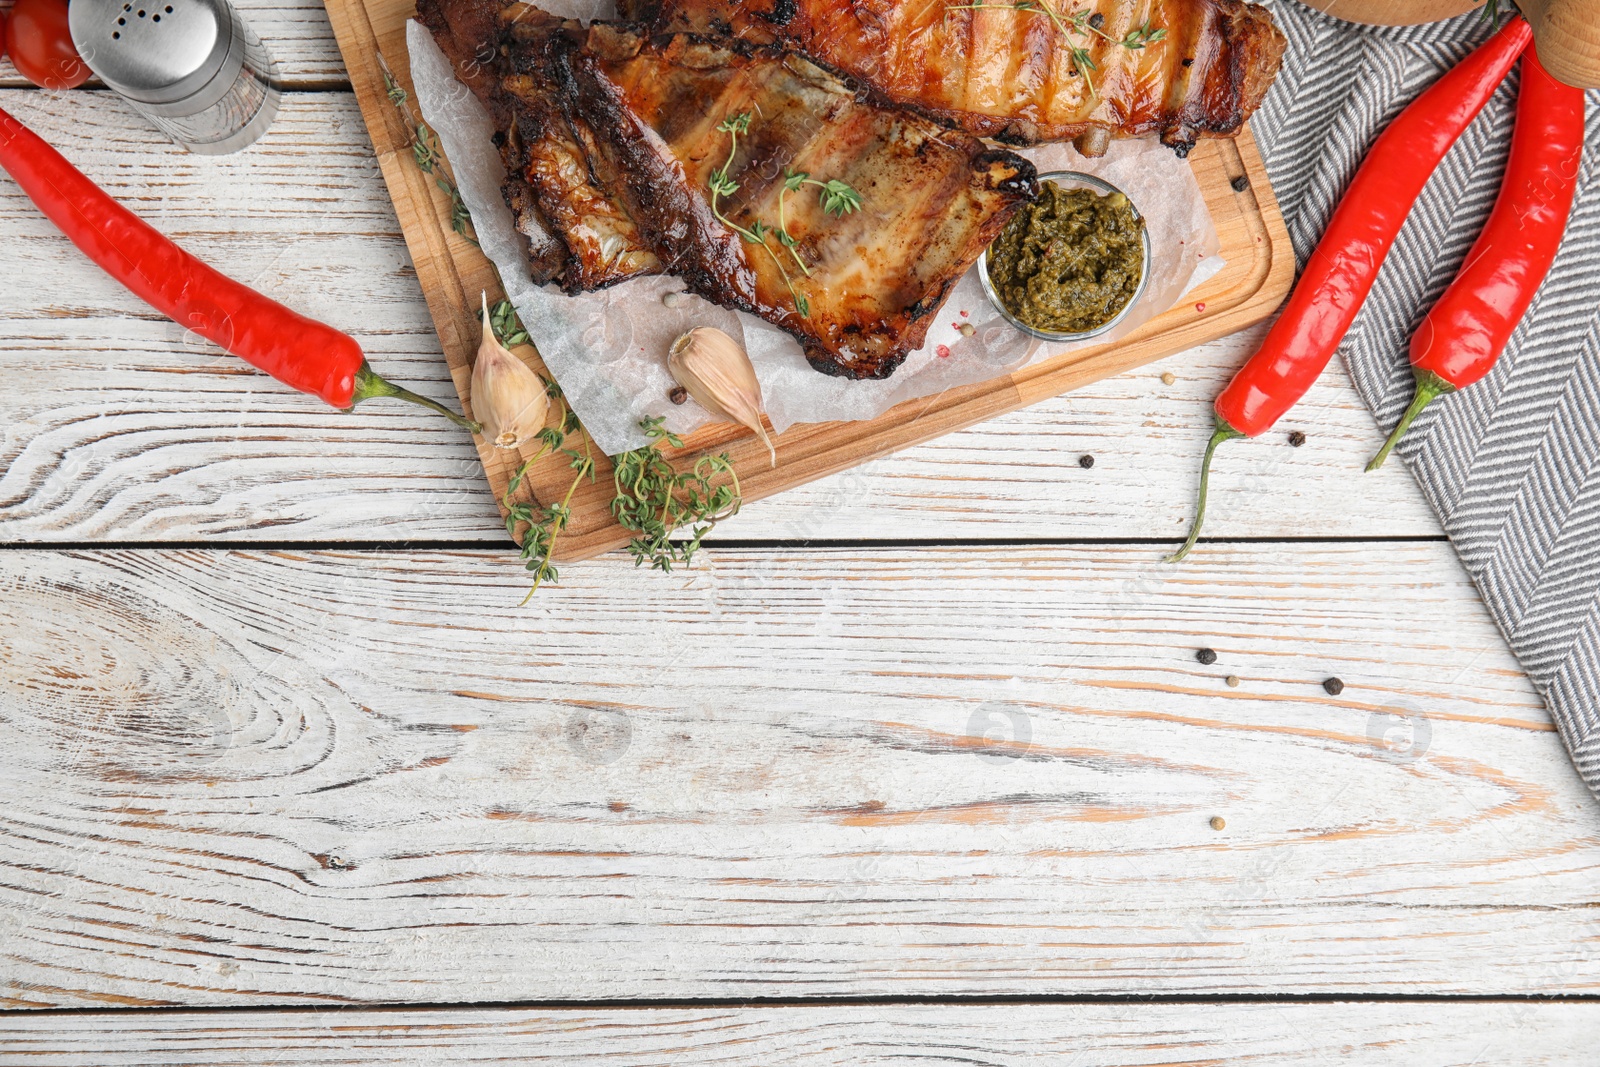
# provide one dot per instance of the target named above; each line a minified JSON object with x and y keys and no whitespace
{"x":192,"y":67}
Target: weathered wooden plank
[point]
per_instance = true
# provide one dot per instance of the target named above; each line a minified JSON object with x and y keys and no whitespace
{"x":1412,"y":1034}
{"x":100,"y":388}
{"x":283,"y":777}
{"x":297,"y":33}
{"x":117,"y":427}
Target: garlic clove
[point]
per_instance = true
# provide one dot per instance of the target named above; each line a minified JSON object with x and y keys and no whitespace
{"x":508,"y":398}
{"x":719,"y":375}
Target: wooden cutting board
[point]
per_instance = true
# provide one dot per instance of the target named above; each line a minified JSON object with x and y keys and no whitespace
{"x":1259,"y":273}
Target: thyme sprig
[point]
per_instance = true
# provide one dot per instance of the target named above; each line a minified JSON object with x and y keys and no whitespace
{"x":425,"y":149}
{"x":837,"y":198}
{"x":1491,"y":12}
{"x":544,"y":525}
{"x":1082,"y":22}
{"x":722,"y":185}
{"x":1082,"y":61}
{"x":1143,"y":35}
{"x":653,"y":499}
{"x":508,"y":328}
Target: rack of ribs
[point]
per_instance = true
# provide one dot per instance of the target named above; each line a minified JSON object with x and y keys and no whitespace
{"x":932,"y":199}
{"x":1024,"y":71}
{"x":637,"y":124}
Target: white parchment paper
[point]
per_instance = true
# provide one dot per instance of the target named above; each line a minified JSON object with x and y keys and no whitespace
{"x":608,"y":349}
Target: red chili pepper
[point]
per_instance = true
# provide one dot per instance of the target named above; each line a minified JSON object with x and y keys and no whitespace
{"x":300,"y":352}
{"x":1340,"y":272}
{"x":1470,"y":326}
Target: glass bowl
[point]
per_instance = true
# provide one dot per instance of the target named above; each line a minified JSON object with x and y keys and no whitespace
{"x":1071,"y":179}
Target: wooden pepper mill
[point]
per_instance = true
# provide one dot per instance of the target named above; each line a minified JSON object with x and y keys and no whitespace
{"x":1566,"y":32}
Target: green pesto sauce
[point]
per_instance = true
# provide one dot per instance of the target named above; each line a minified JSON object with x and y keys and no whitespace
{"x":1070,"y":261}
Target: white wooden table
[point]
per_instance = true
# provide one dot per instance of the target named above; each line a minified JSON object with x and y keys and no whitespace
{"x":917,"y":764}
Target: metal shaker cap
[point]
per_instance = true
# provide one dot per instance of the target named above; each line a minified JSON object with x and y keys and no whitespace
{"x":174,"y":57}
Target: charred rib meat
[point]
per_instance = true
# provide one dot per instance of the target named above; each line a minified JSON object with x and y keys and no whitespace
{"x":578,"y":232}
{"x":1019,"y":73}
{"x":866,"y":283}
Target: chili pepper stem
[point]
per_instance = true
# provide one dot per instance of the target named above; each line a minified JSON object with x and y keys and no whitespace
{"x":1430,"y":387}
{"x":369,"y":385}
{"x":1224,"y":432}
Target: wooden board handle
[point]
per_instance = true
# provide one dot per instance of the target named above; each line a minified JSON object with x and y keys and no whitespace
{"x":1567,"y":34}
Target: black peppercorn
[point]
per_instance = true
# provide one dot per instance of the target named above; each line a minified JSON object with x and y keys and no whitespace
{"x":678,"y":394}
{"x":1086,"y":461}
{"x":1241,"y":183}
{"x":1333,"y":686}
{"x":1206,"y":656}
{"x":1097,"y":20}
{"x":1296,"y":438}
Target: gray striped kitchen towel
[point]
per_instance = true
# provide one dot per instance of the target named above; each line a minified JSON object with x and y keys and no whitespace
{"x":1511,"y":465}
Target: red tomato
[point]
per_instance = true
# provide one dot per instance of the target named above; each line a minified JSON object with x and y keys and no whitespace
{"x":41,"y":45}
{"x":2,"y":34}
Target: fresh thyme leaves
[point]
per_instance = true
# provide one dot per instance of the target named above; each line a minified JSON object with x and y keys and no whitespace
{"x":508,"y":329}
{"x":1137,"y":39}
{"x":722,"y":185}
{"x":544,"y":525}
{"x":1085,"y":22}
{"x":793,"y":181}
{"x":837,"y":198}
{"x":1081,"y":22}
{"x":425,"y":149}
{"x":653,"y":499}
